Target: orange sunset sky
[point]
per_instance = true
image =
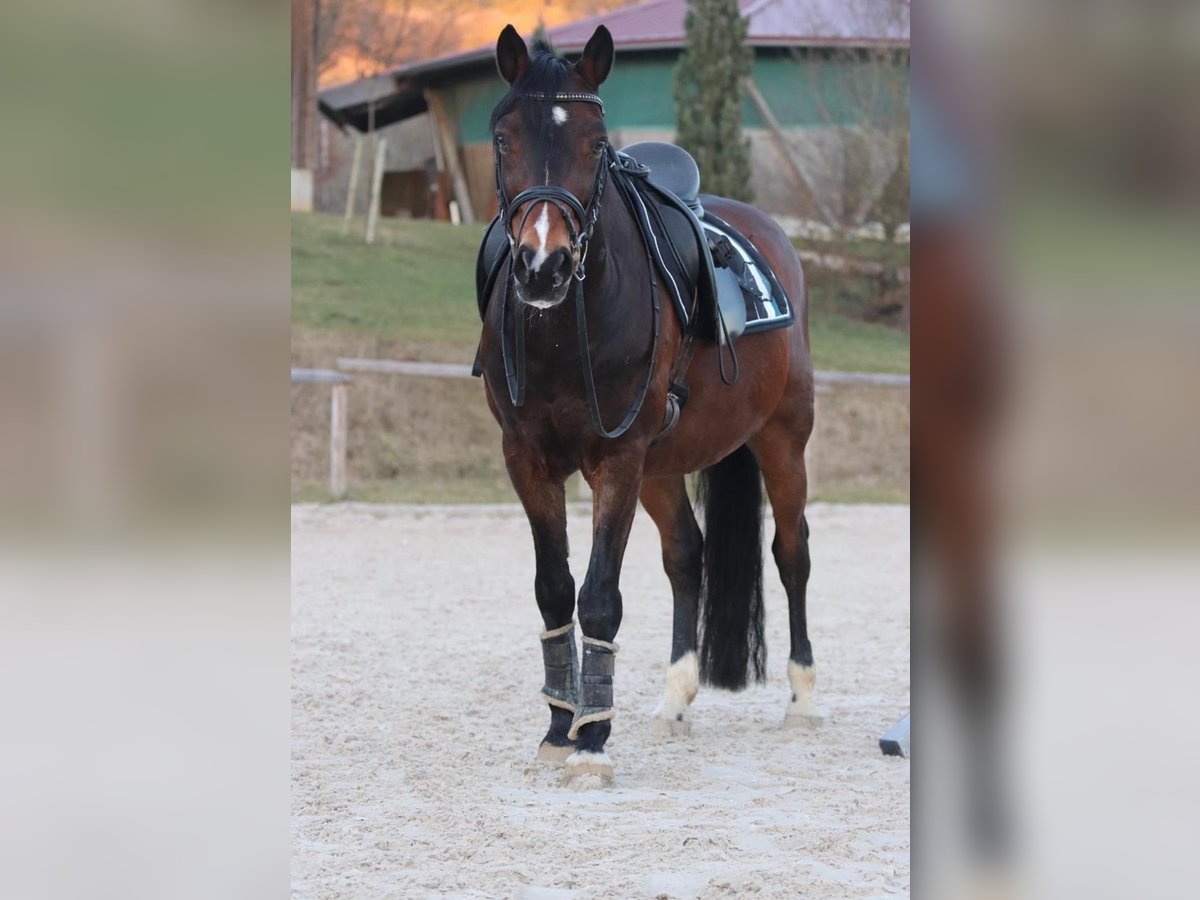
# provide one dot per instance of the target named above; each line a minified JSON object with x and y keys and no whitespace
{"x":477,"y":25}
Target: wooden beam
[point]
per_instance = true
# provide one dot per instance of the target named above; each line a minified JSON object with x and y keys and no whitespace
{"x":376,"y":188}
{"x":352,"y":191}
{"x":799,"y":177}
{"x":449,"y":144}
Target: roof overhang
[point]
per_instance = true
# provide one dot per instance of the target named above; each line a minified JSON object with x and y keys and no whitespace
{"x":402,"y":99}
{"x":383,"y":100}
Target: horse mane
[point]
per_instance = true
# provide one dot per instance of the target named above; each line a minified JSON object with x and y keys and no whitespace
{"x":545,"y":75}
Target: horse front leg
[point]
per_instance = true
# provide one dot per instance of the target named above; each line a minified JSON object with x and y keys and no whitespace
{"x":543,"y":496}
{"x":615,"y":483}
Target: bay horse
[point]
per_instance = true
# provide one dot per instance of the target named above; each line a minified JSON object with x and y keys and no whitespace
{"x":580,"y":367}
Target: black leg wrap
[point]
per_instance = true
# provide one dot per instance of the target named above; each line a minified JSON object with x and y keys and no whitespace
{"x":596,"y":684}
{"x":562,"y":668}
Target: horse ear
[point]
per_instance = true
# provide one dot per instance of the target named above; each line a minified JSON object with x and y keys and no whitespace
{"x":597,"y":59}
{"x":512,"y":56}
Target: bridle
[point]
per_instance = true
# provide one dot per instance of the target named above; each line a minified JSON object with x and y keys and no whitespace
{"x":586,"y":217}
{"x":563,"y":200}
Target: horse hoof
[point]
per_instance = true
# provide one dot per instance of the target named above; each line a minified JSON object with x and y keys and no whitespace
{"x":807,"y":718}
{"x":672,"y":727}
{"x":552,"y":754}
{"x":589,"y":771}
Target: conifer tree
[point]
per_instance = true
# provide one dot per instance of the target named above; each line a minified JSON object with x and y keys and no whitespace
{"x":708,"y":96}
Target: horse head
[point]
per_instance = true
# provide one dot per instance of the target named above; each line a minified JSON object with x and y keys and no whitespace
{"x":550,"y":147}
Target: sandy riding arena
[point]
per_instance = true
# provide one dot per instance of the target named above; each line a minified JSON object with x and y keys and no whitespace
{"x":416,"y":670}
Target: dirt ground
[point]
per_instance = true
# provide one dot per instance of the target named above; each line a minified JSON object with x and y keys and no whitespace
{"x":416,"y":670}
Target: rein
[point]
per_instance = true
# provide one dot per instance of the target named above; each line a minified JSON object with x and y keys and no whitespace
{"x":586,"y":217}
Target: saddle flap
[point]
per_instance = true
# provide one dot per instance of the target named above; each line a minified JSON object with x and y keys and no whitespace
{"x":749,"y":296}
{"x":493,"y":250}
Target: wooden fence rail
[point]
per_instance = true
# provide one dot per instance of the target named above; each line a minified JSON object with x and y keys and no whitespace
{"x":824,"y":380}
{"x":338,"y":381}
{"x":456,"y":370}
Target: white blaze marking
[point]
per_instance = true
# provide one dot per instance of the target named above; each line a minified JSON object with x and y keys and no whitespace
{"x":559,"y":114}
{"x":542,"y":227}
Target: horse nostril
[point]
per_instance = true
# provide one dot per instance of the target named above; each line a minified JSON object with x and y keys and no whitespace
{"x":521,"y":268}
{"x":562,"y":267}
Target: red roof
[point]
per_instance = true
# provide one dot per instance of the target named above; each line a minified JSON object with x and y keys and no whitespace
{"x":659,"y":24}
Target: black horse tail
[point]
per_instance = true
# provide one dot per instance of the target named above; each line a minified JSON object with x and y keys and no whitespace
{"x":732,"y":647}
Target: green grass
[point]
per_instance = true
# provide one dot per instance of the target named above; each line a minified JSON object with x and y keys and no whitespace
{"x":847,"y":345}
{"x":416,"y":283}
{"x":415,"y":288}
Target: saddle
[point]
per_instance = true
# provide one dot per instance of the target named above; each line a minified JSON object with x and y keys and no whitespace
{"x":719,"y":283}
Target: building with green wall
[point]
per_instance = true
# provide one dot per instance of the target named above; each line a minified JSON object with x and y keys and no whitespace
{"x":826,"y":114}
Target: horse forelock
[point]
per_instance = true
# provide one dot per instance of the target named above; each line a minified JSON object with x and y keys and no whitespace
{"x":545,"y":76}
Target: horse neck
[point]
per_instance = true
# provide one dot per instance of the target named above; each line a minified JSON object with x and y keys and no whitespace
{"x":616,"y":298}
{"x":616,"y":292}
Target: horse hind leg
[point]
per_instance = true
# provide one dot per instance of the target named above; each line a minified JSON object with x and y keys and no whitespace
{"x":802,"y":673}
{"x":781,"y":457}
{"x":666,"y":500}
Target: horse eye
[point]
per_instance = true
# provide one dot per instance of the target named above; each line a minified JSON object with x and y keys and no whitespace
{"x":598,"y":147}
{"x":502,"y":143}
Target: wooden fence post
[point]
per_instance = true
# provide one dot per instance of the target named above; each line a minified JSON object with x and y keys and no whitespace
{"x":810,"y":450}
{"x":338,"y":423}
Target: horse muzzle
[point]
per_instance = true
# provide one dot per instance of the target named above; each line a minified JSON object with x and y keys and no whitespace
{"x":542,"y":279}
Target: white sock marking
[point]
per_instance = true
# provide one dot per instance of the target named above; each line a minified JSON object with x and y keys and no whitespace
{"x":542,"y":227}
{"x":801,"y":679}
{"x":683,"y":682}
{"x":559,"y":114}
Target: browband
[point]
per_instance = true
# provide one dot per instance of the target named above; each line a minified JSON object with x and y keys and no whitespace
{"x":570,"y":97}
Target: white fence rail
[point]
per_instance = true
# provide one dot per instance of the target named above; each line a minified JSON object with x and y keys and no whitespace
{"x":456,"y":370}
{"x":339,"y":380}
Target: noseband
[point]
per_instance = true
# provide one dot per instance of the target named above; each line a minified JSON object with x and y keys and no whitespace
{"x":563,"y":200}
